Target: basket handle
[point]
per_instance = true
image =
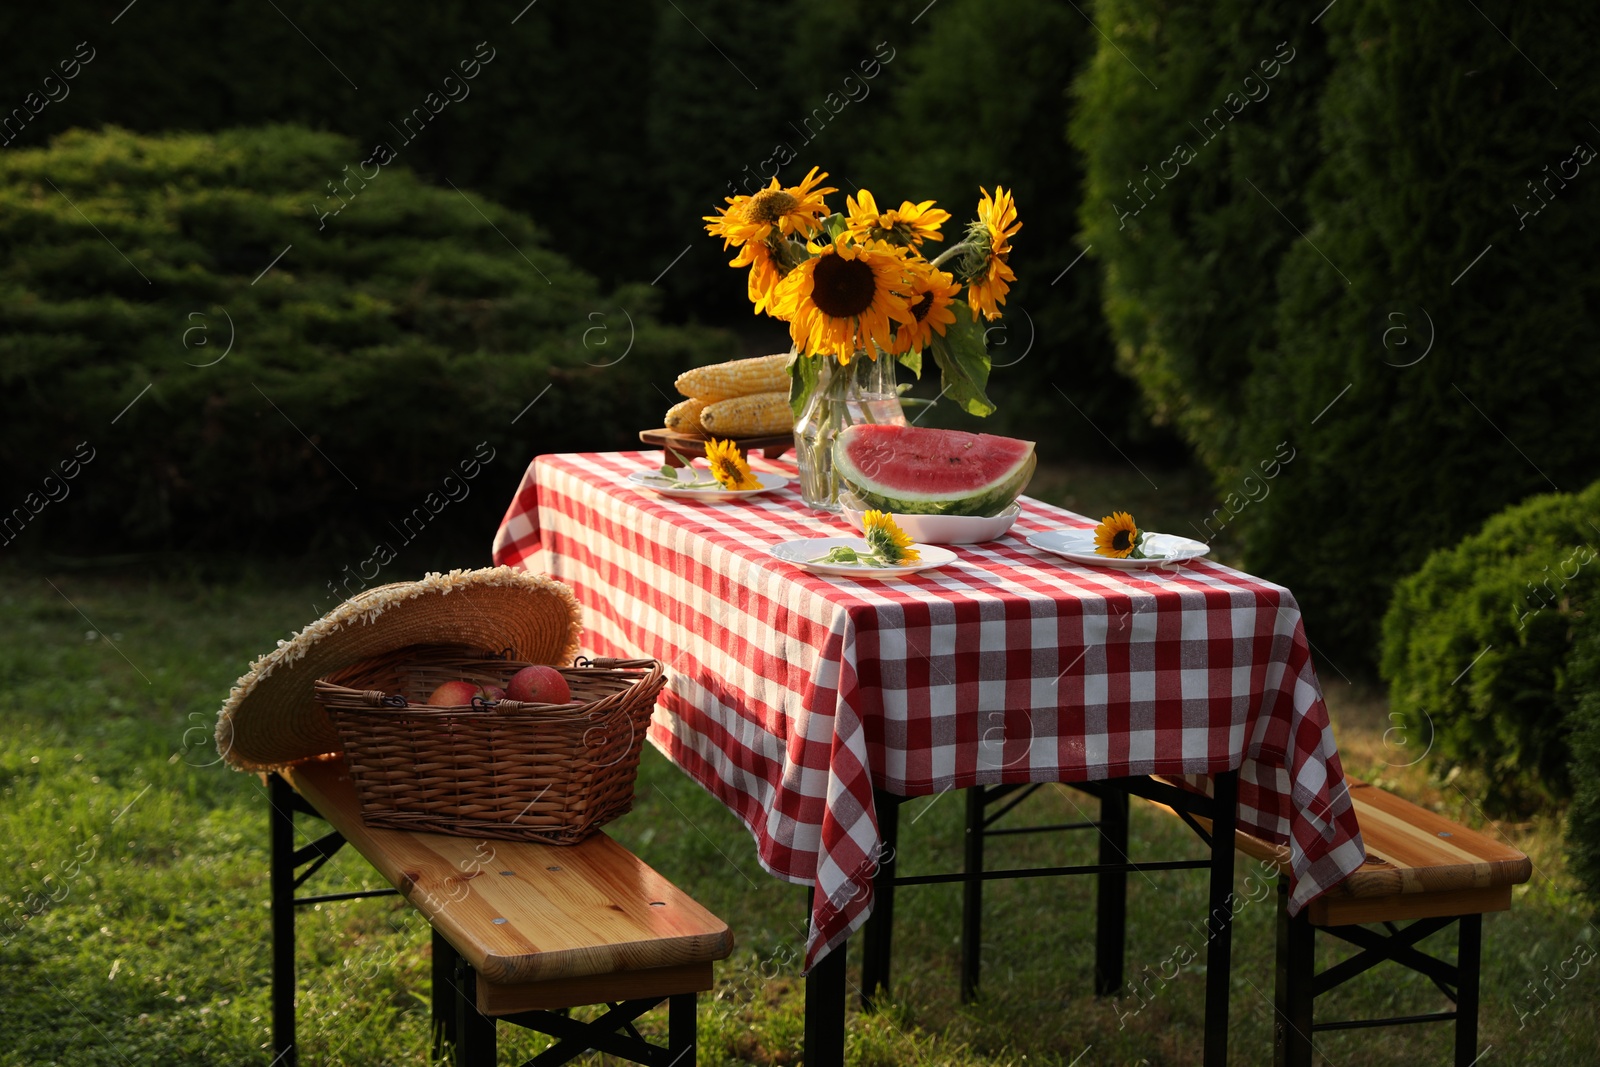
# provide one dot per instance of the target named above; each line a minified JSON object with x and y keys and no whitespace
{"x":613,"y":662}
{"x":376,"y":698}
{"x":372,"y":698}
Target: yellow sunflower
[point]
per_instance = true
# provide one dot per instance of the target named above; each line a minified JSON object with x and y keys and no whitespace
{"x":842,"y":299}
{"x":728,"y":467}
{"x":765,"y":273}
{"x":929,"y":300}
{"x":887,"y":541}
{"x":1117,"y":536}
{"x":907,"y":225}
{"x":792,"y":209}
{"x":997,"y":222}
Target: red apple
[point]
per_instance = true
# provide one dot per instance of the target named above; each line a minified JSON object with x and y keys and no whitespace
{"x":491,"y":692}
{"x":451,"y":694}
{"x":539,"y":685}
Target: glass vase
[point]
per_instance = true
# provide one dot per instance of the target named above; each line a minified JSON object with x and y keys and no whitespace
{"x":860,"y":391}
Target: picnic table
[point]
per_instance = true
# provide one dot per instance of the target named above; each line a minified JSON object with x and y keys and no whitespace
{"x":792,"y":696}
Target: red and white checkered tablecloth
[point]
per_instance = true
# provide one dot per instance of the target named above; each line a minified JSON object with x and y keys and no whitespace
{"x":792,"y":695}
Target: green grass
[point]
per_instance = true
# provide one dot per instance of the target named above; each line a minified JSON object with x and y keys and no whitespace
{"x":135,"y":875}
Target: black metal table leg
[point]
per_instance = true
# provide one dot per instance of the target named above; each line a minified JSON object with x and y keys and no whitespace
{"x":825,"y":988}
{"x":475,"y":1037}
{"x":682,"y":1027}
{"x":280,"y":797}
{"x":1469,"y":953}
{"x":1294,"y":989}
{"x":1219,"y":920}
{"x":1111,"y":895}
{"x":878,"y":934}
{"x":972,"y":897}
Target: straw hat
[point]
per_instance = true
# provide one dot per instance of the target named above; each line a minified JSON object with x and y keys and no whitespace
{"x":271,"y":719}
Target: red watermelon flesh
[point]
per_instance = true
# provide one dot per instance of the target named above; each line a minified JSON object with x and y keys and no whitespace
{"x":910,"y":470}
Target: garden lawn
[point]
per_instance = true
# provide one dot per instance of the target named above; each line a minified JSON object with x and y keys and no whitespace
{"x":133,"y":892}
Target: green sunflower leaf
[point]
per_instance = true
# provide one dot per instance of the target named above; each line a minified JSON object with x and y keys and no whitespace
{"x":963,"y":360}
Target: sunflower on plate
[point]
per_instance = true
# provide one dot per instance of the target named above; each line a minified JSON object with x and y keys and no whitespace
{"x":1119,"y":537}
{"x":887,"y":545}
{"x":888,"y":542}
{"x":728,"y":467}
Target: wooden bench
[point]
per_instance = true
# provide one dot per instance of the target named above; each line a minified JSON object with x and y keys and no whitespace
{"x":520,"y":931}
{"x":1421,"y":868}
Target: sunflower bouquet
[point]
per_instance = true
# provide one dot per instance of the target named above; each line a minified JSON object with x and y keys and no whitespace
{"x":866,"y":282}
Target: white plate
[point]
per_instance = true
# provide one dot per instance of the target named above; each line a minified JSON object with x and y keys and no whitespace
{"x":802,"y":553}
{"x":653,"y":481}
{"x":939,"y":529}
{"x":1078,"y":546}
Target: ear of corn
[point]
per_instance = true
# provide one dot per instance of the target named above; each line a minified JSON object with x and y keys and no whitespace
{"x":740,"y":377}
{"x":684,"y":416}
{"x":749,"y":416}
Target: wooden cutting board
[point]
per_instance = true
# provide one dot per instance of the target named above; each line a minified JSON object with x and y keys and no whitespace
{"x":693,"y":445}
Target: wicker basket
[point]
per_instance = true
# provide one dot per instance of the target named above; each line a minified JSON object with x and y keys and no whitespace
{"x":521,"y":772}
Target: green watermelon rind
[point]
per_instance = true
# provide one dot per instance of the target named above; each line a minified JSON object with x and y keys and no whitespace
{"x":990,"y":501}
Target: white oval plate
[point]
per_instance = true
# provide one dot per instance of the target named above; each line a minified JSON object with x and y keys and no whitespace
{"x":1078,"y":546}
{"x":653,"y":481}
{"x":804,"y":552}
{"x":939,"y":529}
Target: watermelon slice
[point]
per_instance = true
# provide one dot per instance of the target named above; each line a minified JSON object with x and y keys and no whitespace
{"x":910,"y":470}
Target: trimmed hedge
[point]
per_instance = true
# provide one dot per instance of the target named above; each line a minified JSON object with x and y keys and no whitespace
{"x":1280,"y":320}
{"x":554,"y":112}
{"x":619,"y":125}
{"x":1583,"y":819}
{"x":1171,"y":205}
{"x":1427,"y":166}
{"x":248,"y":374}
{"x":1481,"y":648}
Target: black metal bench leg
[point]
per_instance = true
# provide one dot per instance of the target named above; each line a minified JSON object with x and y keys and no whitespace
{"x":475,"y":1037}
{"x":280,"y":796}
{"x":444,"y":996}
{"x":1292,"y":992}
{"x":1469,"y":954}
{"x":1219,"y":922}
{"x":682,"y":1032}
{"x":878,"y":934}
{"x":1111,"y":896}
{"x":972,"y":897}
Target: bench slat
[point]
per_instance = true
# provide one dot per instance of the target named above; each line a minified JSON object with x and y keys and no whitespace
{"x":570,"y":911}
{"x":1419,"y":865}
{"x":1411,"y":849}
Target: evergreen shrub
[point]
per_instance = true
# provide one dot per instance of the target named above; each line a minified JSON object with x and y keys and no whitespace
{"x":1583,"y":818}
{"x":1387,"y":265}
{"x":1436,"y":355}
{"x":249,"y":374}
{"x":1480,"y":648}
{"x":1187,"y":120}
